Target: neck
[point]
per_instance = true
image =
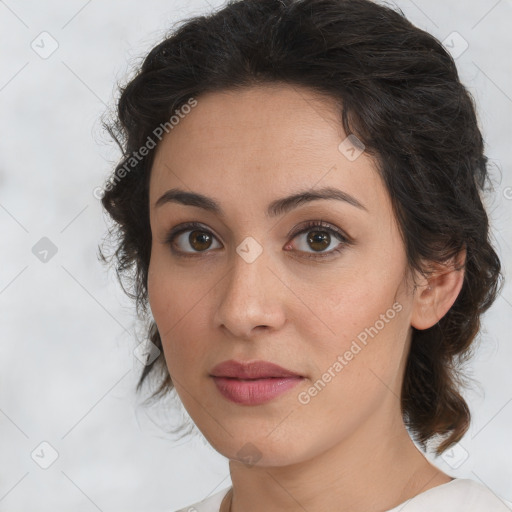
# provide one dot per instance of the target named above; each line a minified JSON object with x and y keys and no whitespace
{"x":360,"y":473}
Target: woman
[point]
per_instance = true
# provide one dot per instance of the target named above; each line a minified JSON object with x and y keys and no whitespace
{"x":300,"y":203}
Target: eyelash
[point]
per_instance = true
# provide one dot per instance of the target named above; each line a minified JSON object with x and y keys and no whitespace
{"x":338,"y":234}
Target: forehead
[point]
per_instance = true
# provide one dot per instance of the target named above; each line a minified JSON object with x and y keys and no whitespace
{"x":259,"y":119}
{"x":262,"y":141}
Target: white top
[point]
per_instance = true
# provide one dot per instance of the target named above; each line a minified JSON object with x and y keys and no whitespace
{"x":458,"y":495}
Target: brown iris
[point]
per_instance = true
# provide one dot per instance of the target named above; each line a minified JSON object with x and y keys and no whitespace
{"x":203,"y":239}
{"x":321,"y":238}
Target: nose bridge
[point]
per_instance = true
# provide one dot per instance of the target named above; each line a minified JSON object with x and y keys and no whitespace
{"x":250,"y":296}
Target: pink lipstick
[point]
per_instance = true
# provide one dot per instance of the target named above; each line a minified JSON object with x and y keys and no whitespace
{"x":253,"y":383}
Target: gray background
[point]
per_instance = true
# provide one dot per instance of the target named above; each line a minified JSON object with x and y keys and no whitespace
{"x":67,"y":367}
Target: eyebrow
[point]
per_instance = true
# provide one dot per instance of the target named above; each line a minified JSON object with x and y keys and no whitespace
{"x":275,"y":208}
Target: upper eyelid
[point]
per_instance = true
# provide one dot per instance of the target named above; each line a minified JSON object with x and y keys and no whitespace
{"x":327,"y":226}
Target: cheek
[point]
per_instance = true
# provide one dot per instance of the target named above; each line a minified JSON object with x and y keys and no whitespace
{"x":357,"y":369}
{"x":367,"y":316}
{"x":178,"y":309}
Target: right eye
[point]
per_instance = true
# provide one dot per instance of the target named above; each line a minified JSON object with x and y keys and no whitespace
{"x":193,"y":234}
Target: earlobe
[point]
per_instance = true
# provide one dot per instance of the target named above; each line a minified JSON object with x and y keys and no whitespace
{"x":436,"y":295}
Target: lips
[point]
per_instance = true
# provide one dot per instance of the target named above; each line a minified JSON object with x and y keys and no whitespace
{"x":252,"y":383}
{"x":251,"y":370}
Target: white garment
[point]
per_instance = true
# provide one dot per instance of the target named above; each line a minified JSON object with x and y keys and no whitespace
{"x":458,"y":495}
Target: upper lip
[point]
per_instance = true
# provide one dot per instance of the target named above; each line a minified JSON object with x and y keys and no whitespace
{"x":250,"y":370}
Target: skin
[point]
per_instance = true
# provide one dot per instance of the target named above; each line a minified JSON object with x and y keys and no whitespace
{"x":347,"y":449}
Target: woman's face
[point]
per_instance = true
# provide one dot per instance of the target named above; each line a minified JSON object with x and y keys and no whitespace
{"x":251,"y":284}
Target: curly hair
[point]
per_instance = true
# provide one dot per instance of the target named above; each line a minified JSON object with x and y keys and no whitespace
{"x":399,"y":92}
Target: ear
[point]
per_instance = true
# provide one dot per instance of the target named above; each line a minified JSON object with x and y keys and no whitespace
{"x":437,"y":293}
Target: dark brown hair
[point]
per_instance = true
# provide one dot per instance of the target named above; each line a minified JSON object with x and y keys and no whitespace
{"x":399,"y":93}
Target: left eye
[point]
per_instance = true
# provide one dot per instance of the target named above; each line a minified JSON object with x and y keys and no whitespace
{"x":320,"y":236}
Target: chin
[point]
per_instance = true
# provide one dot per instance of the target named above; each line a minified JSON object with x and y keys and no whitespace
{"x":254,"y":447}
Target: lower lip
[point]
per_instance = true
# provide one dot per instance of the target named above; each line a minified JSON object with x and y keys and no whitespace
{"x":254,"y":392}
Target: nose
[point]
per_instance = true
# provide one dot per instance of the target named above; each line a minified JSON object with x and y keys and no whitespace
{"x":251,"y":298}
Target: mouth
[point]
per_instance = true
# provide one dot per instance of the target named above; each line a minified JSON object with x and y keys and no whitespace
{"x":254,"y":391}
{"x":253,"y":383}
{"x":251,"y":370}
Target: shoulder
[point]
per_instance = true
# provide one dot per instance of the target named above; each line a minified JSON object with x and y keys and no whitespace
{"x":461,"y":494}
{"x":209,"y":504}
